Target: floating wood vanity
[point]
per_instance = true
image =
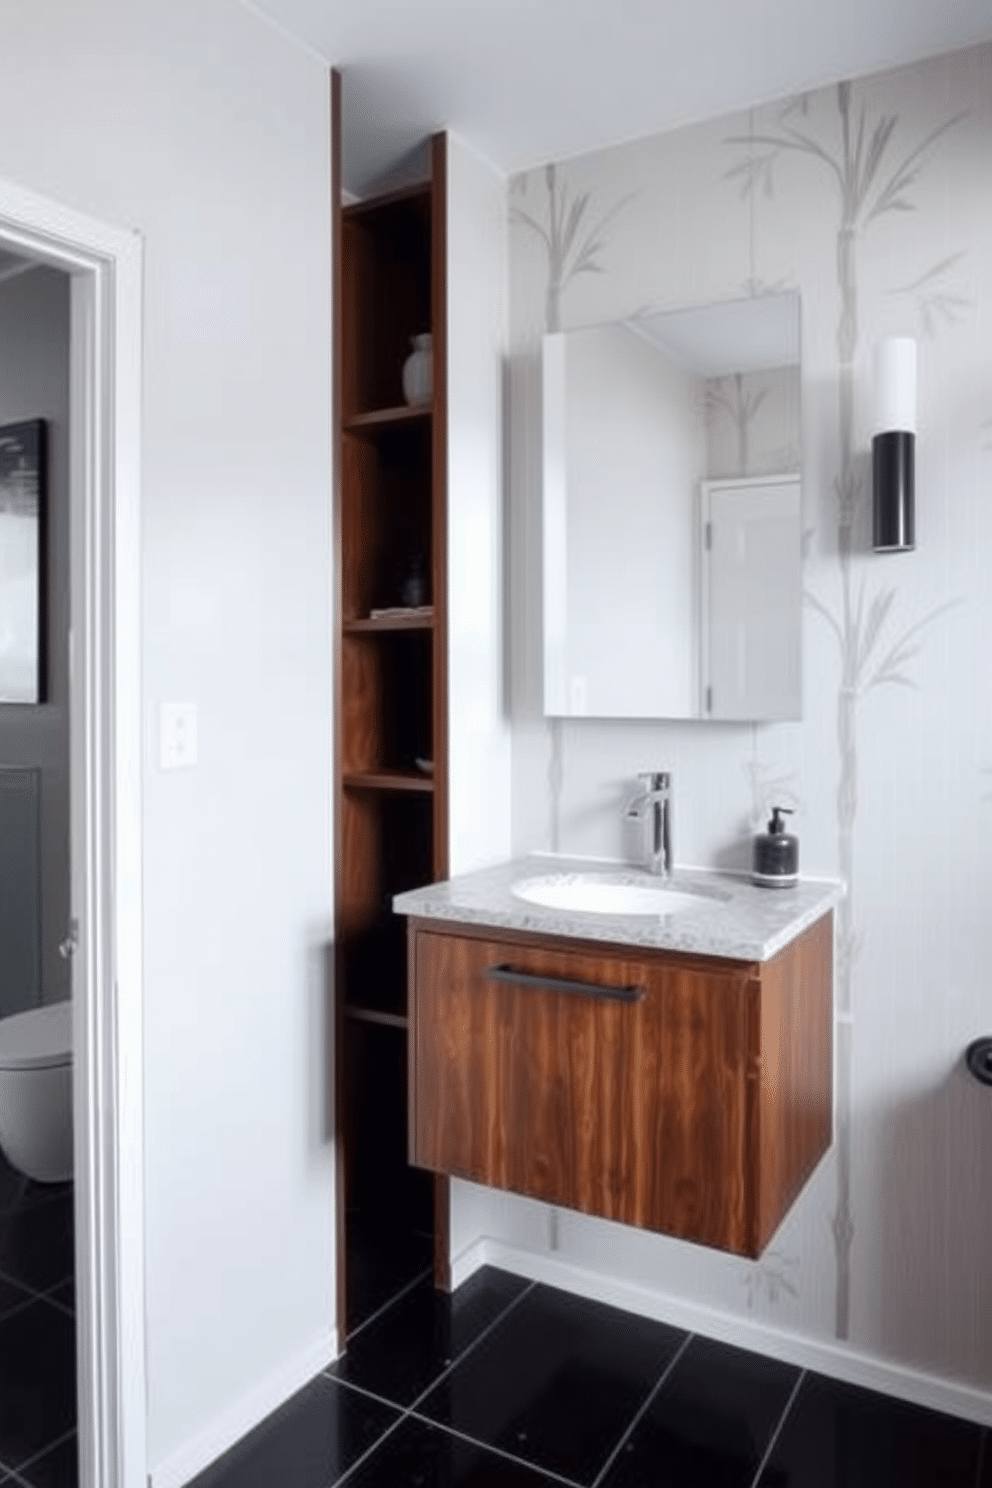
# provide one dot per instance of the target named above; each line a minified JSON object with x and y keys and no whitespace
{"x":625,"y":1066}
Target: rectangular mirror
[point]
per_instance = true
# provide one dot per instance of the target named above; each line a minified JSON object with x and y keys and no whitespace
{"x":671,"y":507}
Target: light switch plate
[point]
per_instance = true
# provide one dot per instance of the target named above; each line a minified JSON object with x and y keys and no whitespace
{"x":177,"y":736}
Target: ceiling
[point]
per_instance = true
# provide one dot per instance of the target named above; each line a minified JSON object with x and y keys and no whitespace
{"x":527,"y":81}
{"x":752,"y":335}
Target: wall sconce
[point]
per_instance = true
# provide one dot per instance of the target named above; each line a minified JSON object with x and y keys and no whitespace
{"x":892,"y":448}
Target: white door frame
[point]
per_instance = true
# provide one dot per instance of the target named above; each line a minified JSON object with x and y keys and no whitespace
{"x":105,"y":775}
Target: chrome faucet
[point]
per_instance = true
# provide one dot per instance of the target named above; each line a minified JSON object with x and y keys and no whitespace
{"x":654,"y":805}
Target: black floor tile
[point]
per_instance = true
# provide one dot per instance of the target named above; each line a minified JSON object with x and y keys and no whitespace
{"x":382,"y":1260}
{"x":418,"y":1455}
{"x":64,"y":1295}
{"x":13,"y":1186}
{"x":557,"y":1381}
{"x":19,"y":1192}
{"x":308,"y":1443}
{"x":37,"y":1380}
{"x":839,"y":1436}
{"x":36,"y":1242}
{"x":402,"y":1352}
{"x":985,"y":1481}
{"x":710,"y":1423}
{"x":12,"y":1295}
{"x":56,"y":1468}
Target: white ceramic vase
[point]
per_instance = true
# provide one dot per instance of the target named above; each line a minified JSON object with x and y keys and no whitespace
{"x":418,"y":370}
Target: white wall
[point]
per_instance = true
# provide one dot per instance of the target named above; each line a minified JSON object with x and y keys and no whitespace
{"x":34,"y":383}
{"x":478,"y":702}
{"x":890,"y":766}
{"x":192,"y":123}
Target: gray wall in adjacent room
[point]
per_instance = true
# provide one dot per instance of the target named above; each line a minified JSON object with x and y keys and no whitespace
{"x":34,"y":383}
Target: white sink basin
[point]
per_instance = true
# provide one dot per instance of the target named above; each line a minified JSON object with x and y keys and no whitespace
{"x":589,"y":894}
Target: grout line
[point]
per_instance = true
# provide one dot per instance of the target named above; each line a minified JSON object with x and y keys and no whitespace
{"x":56,"y":1441}
{"x":56,"y":1284}
{"x":778,"y":1429}
{"x":411,"y":1410}
{"x":473,"y":1441}
{"x":625,"y":1438}
{"x":26,"y":1286}
{"x":369,"y":1394}
{"x":982,"y":1444}
{"x":49,"y":1296}
{"x":387,"y":1305}
{"x":408,"y":1411}
{"x":472,"y":1346}
{"x":30,"y":1301}
{"x":368,"y":1451}
{"x":61,"y":1306}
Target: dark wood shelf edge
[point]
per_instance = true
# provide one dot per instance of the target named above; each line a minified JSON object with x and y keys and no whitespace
{"x":388,"y":623}
{"x":401,"y":194}
{"x":387,"y":780}
{"x":337,"y":968}
{"x":380,"y":418}
{"x":359,"y":1014}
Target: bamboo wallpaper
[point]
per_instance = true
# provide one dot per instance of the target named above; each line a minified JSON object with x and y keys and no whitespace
{"x":872,"y":199}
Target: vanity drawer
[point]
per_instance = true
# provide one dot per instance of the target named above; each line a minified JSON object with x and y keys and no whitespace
{"x":616,"y":1085}
{"x":687,"y":1095}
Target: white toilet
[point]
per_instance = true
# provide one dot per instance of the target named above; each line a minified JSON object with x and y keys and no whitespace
{"x":36,"y":1092}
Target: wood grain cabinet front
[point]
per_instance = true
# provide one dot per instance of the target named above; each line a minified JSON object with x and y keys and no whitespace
{"x":686,"y":1095}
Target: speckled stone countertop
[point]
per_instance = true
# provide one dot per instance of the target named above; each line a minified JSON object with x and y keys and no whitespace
{"x":735,"y":918}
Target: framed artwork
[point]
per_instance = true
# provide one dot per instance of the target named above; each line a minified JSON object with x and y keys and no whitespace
{"x":22,"y":562}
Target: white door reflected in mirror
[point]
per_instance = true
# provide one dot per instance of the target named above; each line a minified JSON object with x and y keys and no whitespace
{"x":750,"y":656}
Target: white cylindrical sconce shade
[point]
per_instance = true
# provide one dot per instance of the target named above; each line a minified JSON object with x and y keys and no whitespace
{"x":895,"y":386}
{"x":893,"y":446}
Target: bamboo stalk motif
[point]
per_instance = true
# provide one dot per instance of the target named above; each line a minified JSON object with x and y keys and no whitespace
{"x":572,"y":243}
{"x":741,"y":405}
{"x":865,"y":193}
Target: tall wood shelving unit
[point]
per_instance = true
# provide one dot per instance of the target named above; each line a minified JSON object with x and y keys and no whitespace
{"x":390,"y":747}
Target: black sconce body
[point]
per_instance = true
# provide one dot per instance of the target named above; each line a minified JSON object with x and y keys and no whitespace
{"x":893,"y":506}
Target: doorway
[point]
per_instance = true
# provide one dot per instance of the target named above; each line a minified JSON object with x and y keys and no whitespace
{"x":750,"y":650}
{"x":37,"y":1326}
{"x":104,"y":762}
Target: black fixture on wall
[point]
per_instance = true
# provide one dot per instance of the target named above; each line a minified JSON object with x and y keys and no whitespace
{"x":979,"y":1059}
{"x":893,"y":447}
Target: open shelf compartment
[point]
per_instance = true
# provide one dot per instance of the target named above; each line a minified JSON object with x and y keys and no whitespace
{"x":386,"y":283}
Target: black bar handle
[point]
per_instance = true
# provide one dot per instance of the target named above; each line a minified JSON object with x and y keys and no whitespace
{"x":979,"y":1057}
{"x":563,"y":984}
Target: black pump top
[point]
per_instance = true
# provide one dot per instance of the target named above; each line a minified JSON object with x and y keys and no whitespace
{"x":777,"y":825}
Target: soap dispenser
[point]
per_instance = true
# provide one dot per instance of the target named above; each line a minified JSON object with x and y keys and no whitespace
{"x":776,"y":854}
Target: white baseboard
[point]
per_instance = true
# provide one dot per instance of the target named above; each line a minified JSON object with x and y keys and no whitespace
{"x":479,"y":1253}
{"x":241,"y":1418}
{"x":825,"y":1356}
